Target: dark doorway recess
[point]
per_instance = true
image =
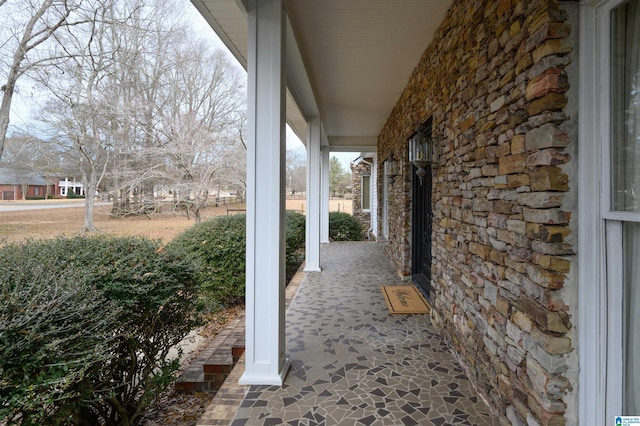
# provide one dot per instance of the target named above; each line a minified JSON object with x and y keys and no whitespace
{"x":422,"y":221}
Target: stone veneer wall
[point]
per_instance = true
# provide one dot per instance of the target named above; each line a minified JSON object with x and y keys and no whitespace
{"x":499,"y":81}
{"x":398,"y":243}
{"x":357,"y":171}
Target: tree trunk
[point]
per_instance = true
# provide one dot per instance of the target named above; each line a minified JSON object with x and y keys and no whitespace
{"x":115,"y":206}
{"x":5,"y":110}
{"x":149,"y":199}
{"x":89,"y":195}
{"x":126,"y":201}
{"x":136,"y":200}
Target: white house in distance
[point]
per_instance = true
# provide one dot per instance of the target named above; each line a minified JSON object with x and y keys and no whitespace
{"x":66,"y":187}
{"x":516,"y":208}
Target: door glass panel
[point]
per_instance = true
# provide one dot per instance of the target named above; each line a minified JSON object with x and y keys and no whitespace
{"x":625,"y":107}
{"x":631,"y":311}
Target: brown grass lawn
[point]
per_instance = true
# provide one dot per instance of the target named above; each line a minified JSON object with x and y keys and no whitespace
{"x":50,"y":223}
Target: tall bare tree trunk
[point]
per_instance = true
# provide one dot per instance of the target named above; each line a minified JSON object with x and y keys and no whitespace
{"x":115,"y":204}
{"x":5,"y":109}
{"x":196,"y":213}
{"x":89,"y":183}
{"x":24,"y":188}
{"x":149,"y":199}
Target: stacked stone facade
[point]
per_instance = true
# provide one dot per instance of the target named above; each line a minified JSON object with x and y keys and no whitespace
{"x":358,"y":170}
{"x":498,"y":81}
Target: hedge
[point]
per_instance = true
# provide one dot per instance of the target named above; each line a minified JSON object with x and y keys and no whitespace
{"x":344,"y":227}
{"x":86,"y":324}
{"x":219,"y":249}
{"x":296,"y":230}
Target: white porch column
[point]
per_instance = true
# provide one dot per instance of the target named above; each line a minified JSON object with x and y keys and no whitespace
{"x":313,"y":196}
{"x":324,"y":198}
{"x":266,"y":363}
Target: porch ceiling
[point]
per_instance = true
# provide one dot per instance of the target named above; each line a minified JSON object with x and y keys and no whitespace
{"x":353,"y":59}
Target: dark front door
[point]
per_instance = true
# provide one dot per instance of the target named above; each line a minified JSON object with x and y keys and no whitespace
{"x":421,"y":232}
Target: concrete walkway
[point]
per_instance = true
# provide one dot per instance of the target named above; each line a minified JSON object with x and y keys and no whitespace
{"x":355,"y":364}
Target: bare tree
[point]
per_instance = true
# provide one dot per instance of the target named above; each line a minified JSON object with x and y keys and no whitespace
{"x":145,"y":106}
{"x":78,"y":110}
{"x":201,"y":126}
{"x":140,"y":61}
{"x":296,"y":168}
{"x":28,"y":151}
{"x":34,"y":23}
{"x":188,"y":120}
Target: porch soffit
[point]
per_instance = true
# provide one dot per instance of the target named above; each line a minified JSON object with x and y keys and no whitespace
{"x":352,"y":61}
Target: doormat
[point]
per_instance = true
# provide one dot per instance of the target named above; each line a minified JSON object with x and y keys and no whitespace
{"x":404,"y":299}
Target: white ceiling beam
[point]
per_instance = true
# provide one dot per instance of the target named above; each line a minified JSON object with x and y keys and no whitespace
{"x":296,"y":119}
{"x":298,"y":80}
{"x":301,"y":99}
{"x":353,"y":144}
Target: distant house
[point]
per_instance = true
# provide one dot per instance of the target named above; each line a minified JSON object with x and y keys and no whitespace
{"x":19,"y":184}
{"x":66,"y":187}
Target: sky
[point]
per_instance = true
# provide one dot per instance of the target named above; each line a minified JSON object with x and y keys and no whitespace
{"x":28,"y":99}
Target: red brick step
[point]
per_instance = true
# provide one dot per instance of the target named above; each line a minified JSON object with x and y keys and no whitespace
{"x":209,"y":370}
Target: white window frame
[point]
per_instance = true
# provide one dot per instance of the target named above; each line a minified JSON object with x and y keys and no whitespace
{"x":604,"y":55}
{"x":374,"y":196}
{"x":600,"y":292}
{"x":615,"y":297}
{"x":591,"y":324}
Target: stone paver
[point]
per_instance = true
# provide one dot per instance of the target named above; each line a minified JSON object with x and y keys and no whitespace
{"x":355,"y":364}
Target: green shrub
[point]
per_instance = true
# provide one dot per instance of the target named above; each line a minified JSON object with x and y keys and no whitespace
{"x":51,"y":341}
{"x":218,"y":247}
{"x":344,"y":227}
{"x":296,"y":232}
{"x":71,"y":194}
{"x":86,"y":325}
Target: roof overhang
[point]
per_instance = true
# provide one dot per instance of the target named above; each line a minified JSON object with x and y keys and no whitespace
{"x":346,"y":61}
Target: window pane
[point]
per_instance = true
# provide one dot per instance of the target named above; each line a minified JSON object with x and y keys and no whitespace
{"x":625,"y":107}
{"x":366,"y":192}
{"x":631,"y":247}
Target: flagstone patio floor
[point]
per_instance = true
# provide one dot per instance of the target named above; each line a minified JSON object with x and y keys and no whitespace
{"x":353,"y":363}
